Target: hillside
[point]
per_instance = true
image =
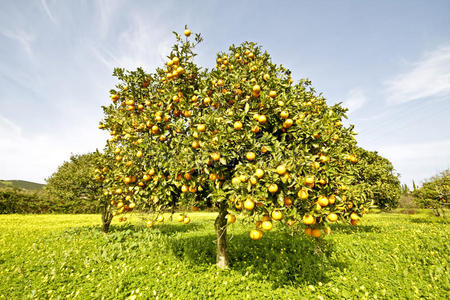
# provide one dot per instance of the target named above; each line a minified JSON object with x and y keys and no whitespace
{"x":21,"y":184}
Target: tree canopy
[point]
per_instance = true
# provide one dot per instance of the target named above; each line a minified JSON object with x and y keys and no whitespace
{"x":72,"y":187}
{"x":434,"y":193}
{"x":241,"y":137}
{"x":383,"y":184}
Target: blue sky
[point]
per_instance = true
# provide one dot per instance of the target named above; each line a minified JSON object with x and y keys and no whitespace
{"x":387,"y":61}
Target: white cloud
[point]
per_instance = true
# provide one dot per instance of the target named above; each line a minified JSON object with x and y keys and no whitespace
{"x":47,"y":11}
{"x":23,"y":38}
{"x":107,"y":10}
{"x":355,"y":100}
{"x":141,"y":44}
{"x":418,"y":161}
{"x":36,"y":157}
{"x":8,"y":128}
{"x":427,"y":78}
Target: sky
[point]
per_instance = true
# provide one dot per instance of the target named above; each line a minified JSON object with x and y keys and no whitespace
{"x":387,"y":61}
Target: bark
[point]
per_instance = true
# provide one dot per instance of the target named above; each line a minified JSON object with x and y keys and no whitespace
{"x":106,"y":219}
{"x":221,"y":232}
{"x":105,"y":227}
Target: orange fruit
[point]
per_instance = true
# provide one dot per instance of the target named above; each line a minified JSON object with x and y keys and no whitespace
{"x":290,"y":222}
{"x":288,"y":123}
{"x":354,"y":216}
{"x":332,"y":217}
{"x":187,"y":32}
{"x":256,"y":234}
{"x":238,"y":205}
{"x":272,"y":94}
{"x":215,"y":156}
{"x":303,"y":194}
{"x":284,"y":114}
{"x":277,"y":215}
{"x":249,"y":204}
{"x":262,"y":119}
{"x":250,"y":156}
{"x":281,"y":169}
{"x":323,"y":200}
{"x":309,"y":181}
{"x":308,"y":231}
{"x":231,"y":219}
{"x":308,"y":220}
{"x":316,"y":233}
{"x":195,"y":144}
{"x":287,"y":201}
{"x":258,"y":224}
{"x":267,"y":225}
{"x":155,"y":129}
{"x":265,"y":218}
{"x":238,"y":125}
{"x":259,"y":173}
{"x":201,"y":127}
{"x":273,"y":188}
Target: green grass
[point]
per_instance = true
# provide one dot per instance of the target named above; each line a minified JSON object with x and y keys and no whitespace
{"x":22,"y":184}
{"x":387,"y":256}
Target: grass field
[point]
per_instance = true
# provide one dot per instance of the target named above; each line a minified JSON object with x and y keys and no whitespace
{"x":59,"y":256}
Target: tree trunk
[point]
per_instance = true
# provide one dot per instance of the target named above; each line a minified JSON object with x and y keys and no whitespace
{"x":106,"y":219}
{"x":105,"y":227}
{"x":221,"y":232}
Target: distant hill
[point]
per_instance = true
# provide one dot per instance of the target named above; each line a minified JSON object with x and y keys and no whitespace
{"x":21,"y":184}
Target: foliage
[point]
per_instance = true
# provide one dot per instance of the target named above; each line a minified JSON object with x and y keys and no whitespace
{"x":72,"y":187}
{"x":19,"y":201}
{"x":383,"y":184}
{"x":389,"y":256}
{"x":434,"y":193}
{"x":240,"y":135}
{"x":405,"y":190}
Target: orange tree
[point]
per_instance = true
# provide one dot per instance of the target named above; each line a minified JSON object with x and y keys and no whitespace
{"x":241,"y":137}
{"x":383,"y":185}
{"x":434,"y":193}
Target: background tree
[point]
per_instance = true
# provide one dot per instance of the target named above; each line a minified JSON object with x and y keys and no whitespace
{"x":434,"y":193}
{"x":241,"y":137}
{"x":72,"y":186}
{"x":383,"y":184}
{"x":14,"y":200}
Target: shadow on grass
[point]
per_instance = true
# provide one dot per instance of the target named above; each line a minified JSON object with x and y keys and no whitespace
{"x":166,"y":229}
{"x":278,"y":257}
{"x":432,"y":220}
{"x":133,"y":230}
{"x":350,"y":229}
